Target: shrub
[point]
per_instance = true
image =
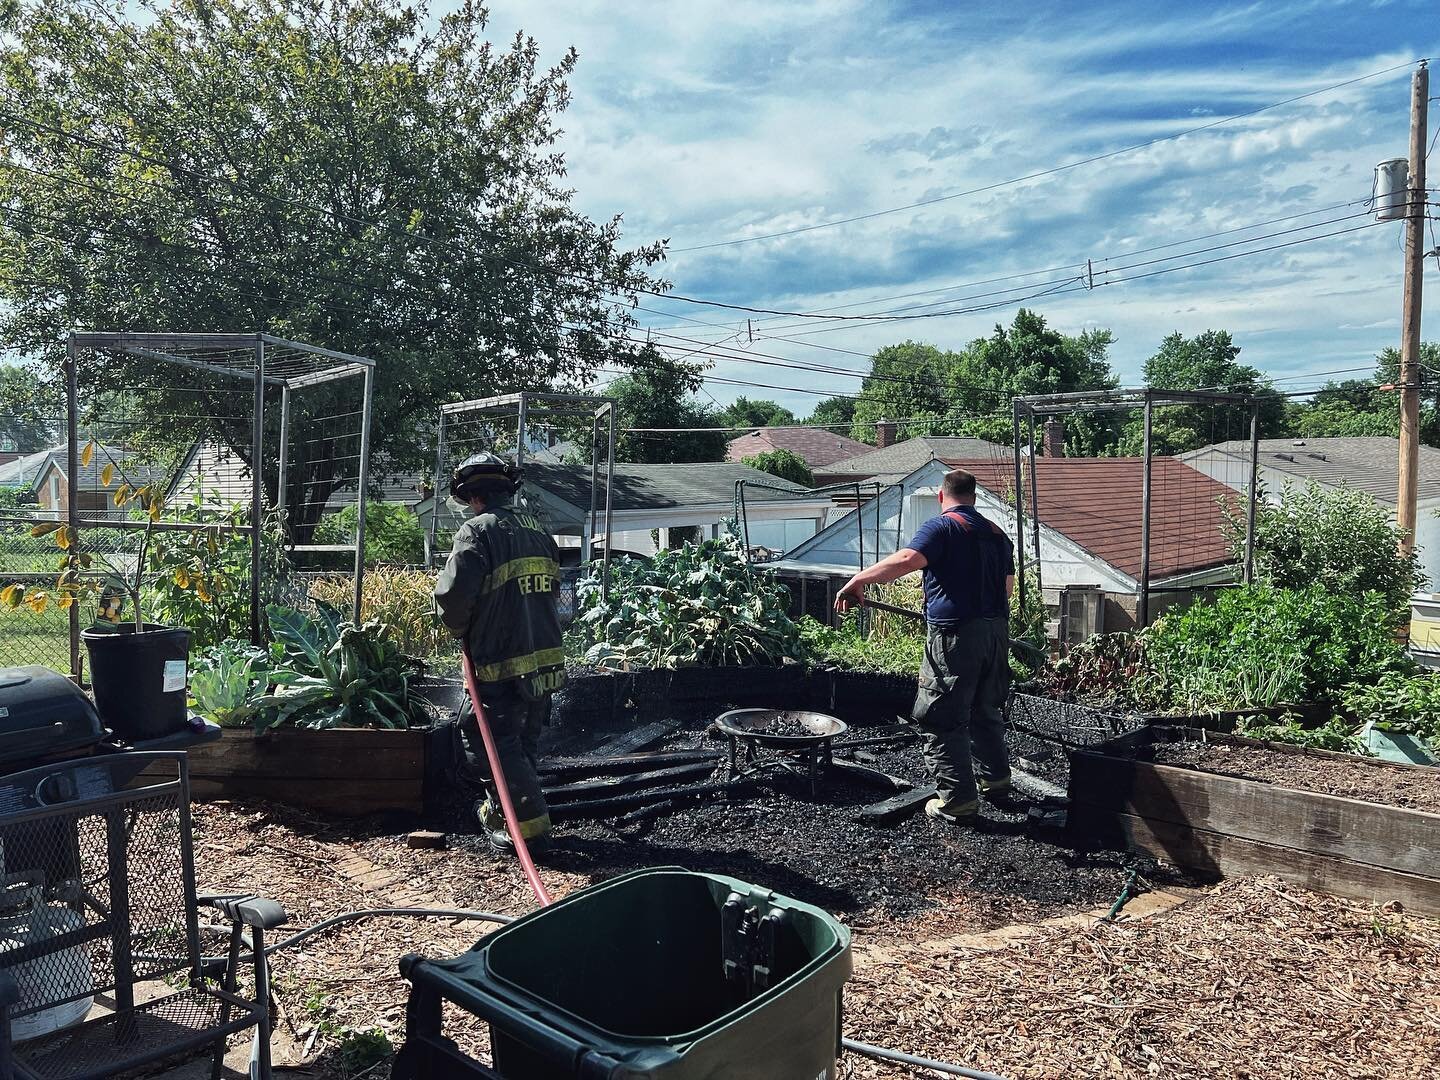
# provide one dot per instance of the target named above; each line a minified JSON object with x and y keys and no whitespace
{"x":1260,"y":646}
{"x":392,"y":533}
{"x":1339,"y":538}
{"x":1402,"y":703}
{"x":845,"y":647}
{"x":404,"y":600}
{"x":700,"y":604}
{"x":785,"y":464}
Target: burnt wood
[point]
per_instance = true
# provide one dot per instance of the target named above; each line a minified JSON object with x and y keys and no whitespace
{"x":896,"y":808}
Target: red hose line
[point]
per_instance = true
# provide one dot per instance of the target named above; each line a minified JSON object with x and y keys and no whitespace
{"x":502,"y":788}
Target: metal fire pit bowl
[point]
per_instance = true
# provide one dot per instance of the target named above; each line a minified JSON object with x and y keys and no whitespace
{"x":749,"y":727}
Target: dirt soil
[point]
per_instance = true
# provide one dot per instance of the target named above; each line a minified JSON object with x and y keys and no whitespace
{"x":1417,"y":789}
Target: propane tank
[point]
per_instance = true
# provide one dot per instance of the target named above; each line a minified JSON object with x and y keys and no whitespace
{"x":1392,"y":189}
{"x":61,"y":974}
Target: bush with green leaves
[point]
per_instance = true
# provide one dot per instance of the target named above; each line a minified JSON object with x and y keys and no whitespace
{"x":393,"y":533}
{"x":1259,"y":646}
{"x":1334,"y":735}
{"x":700,"y":604}
{"x":1339,"y":538}
{"x":1400,"y":702}
{"x":786,"y":464}
{"x":844,"y":646}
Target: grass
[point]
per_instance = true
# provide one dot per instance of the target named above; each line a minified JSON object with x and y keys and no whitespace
{"x":27,"y":638}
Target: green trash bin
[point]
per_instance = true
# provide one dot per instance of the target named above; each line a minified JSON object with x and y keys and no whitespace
{"x":662,"y":974}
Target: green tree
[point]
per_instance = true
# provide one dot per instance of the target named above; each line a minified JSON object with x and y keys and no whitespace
{"x":834,"y":413}
{"x":352,"y":173}
{"x":30,"y":410}
{"x":1207,"y":361}
{"x":1340,"y":539}
{"x":1357,"y":407}
{"x":938,"y":392}
{"x":658,"y":393}
{"x":785,"y":464}
{"x":747,"y":413}
{"x":392,"y":533}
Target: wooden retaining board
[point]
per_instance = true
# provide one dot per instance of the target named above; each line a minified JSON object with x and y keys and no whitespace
{"x":347,"y":772}
{"x":1222,"y":825}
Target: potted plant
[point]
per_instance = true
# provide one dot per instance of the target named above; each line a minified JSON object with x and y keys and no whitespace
{"x":138,"y":670}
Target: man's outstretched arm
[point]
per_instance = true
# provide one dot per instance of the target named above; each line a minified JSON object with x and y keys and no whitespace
{"x":905,"y":561}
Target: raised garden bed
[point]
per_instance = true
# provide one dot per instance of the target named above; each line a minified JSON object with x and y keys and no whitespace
{"x":1224,"y":805}
{"x":347,"y":772}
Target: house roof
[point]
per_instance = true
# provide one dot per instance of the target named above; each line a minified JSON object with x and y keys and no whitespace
{"x":1368,"y":463}
{"x":130,"y":469}
{"x":658,"y":487}
{"x":1097,"y":503}
{"x":891,"y":463}
{"x":816,"y":445}
{"x":26,"y":469}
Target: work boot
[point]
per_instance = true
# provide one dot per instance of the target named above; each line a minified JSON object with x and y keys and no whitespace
{"x":954,"y":813}
{"x":1000,"y":794}
{"x":536,"y":831}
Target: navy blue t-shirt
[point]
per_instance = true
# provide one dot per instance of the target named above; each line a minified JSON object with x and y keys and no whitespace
{"x":968,"y":558}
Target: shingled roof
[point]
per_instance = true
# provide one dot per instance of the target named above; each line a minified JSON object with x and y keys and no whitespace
{"x":651,"y":487}
{"x":890,"y":463}
{"x":1366,"y":463}
{"x":816,"y":445}
{"x":1097,"y":504}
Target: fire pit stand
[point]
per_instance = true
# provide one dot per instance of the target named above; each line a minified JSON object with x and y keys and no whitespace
{"x":800,"y":742}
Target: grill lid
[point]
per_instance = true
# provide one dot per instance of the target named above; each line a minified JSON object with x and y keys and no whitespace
{"x":43,"y":714}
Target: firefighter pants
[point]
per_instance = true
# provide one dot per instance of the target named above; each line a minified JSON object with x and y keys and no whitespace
{"x":515,"y":725}
{"x":960,"y":707}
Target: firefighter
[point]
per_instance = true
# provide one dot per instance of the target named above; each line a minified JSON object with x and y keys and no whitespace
{"x":498,"y":593}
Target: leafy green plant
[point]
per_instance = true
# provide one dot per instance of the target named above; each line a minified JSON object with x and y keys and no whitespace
{"x":1341,"y":539}
{"x":1107,"y":669}
{"x":1399,"y":702}
{"x":786,"y":464}
{"x":845,"y":647}
{"x":227,"y":683}
{"x":1260,"y":646}
{"x":699,"y":604}
{"x":1335,"y":735}
{"x":392,"y":533}
{"x":331,"y":674}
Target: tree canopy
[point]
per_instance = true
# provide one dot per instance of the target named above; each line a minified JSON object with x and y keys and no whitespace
{"x":1357,"y":407}
{"x":785,"y":464}
{"x":833,"y":412}
{"x":30,"y":415}
{"x":659,"y":393}
{"x":746,"y":412}
{"x":350,"y":173}
{"x":940,"y":392}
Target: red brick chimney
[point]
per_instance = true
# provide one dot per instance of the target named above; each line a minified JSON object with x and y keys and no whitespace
{"x":1054,"y":439}
{"x":885,"y":432}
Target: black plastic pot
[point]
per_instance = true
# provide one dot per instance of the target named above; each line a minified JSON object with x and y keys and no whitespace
{"x":139,"y":678}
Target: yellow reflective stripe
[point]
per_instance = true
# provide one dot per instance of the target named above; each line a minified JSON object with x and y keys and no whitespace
{"x":520,"y":665}
{"x":505,"y":572}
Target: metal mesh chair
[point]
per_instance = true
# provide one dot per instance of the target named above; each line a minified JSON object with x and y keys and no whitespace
{"x":101,"y":969}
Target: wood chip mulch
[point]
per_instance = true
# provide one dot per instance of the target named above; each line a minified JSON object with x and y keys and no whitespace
{"x":1255,"y":978}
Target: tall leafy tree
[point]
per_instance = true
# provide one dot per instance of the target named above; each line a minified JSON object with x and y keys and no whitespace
{"x":659,"y":393}
{"x":833,"y":412}
{"x":785,"y":464}
{"x":346,"y":172}
{"x":30,"y":410}
{"x":1207,"y":361}
{"x":750,"y":413}
{"x":1357,"y":407}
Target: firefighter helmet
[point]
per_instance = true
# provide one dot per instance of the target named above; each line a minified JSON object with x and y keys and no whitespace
{"x":481,"y":474}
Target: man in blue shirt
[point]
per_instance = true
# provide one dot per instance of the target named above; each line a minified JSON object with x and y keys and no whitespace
{"x":969,"y":574}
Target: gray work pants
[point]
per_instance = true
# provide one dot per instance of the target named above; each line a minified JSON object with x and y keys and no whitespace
{"x":960,"y":706}
{"x":515,"y":724}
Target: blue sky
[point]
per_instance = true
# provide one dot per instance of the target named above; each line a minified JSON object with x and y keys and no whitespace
{"x":705,"y":122}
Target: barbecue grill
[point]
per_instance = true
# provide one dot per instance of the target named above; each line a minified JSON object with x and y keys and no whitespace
{"x":44,"y":717}
{"x":798,"y":742}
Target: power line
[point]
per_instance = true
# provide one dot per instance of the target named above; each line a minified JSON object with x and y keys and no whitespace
{"x":1044,"y":172}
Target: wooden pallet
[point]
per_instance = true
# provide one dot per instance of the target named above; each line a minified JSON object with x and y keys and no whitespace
{"x":1220,"y":826}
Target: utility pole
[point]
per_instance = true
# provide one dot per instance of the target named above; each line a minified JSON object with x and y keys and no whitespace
{"x":1410,"y":319}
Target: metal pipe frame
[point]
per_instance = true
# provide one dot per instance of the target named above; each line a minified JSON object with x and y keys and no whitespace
{"x":130,"y":342}
{"x":1142,"y":609}
{"x":1019,"y":505}
{"x":1035,"y":512}
{"x":609,"y":407}
{"x":1253,"y":493}
{"x":442,"y":488}
{"x":1130,"y":397}
{"x":363,"y":487}
{"x":72,"y":486}
{"x":587,"y":542}
{"x":283,"y":472}
{"x":257,"y":488}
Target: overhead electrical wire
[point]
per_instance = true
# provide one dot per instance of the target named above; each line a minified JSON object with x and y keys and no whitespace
{"x":1046,"y":172}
